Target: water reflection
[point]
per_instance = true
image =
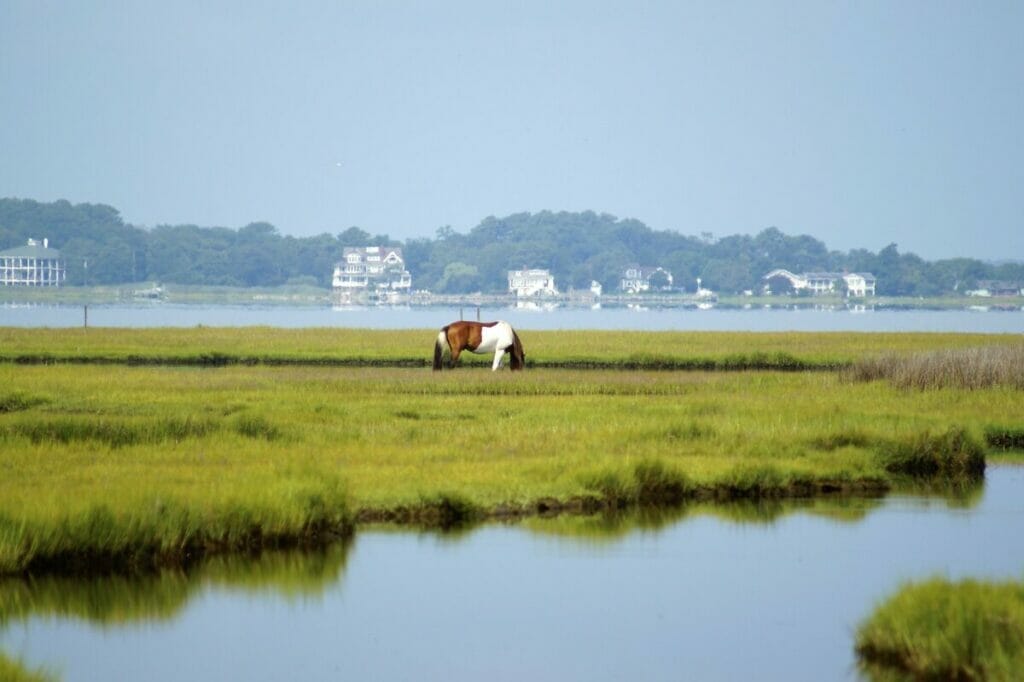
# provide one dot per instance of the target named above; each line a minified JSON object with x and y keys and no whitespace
{"x":305,"y":574}
{"x":613,"y":526}
{"x":702,"y":591}
{"x":160,"y":596}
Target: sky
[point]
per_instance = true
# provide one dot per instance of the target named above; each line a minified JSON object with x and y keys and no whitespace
{"x":860,"y":123}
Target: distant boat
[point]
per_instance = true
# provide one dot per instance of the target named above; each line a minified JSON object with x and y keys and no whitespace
{"x":153,"y":293}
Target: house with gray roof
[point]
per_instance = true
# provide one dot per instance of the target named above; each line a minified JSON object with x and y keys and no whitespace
{"x":32,"y":265}
{"x":858,"y":284}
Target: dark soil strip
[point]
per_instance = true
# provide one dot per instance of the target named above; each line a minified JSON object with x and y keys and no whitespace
{"x":737,"y":363}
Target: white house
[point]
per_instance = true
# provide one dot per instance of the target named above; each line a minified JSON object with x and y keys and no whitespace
{"x":33,"y":265}
{"x":859,"y":284}
{"x":531,"y":283}
{"x":364,"y":267}
{"x":635,"y":278}
{"x":819,"y":283}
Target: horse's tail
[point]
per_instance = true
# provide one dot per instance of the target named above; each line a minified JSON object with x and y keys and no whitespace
{"x":518,"y":356}
{"x":440,"y":346}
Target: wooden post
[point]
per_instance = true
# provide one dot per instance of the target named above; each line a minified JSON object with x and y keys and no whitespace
{"x":85,"y":318}
{"x":478,"y":313}
{"x":460,"y":313}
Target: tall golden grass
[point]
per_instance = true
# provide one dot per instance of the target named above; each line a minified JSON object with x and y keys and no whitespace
{"x":963,"y":368}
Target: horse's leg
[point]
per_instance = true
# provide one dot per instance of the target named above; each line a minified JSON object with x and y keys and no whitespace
{"x":498,"y":354}
{"x":456,"y":351}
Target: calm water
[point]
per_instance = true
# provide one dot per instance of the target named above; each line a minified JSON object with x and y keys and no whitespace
{"x":716,"y":593}
{"x":715,"y":319}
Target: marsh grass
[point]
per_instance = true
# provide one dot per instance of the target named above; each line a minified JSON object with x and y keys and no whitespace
{"x":255,"y":426}
{"x":951,"y":454}
{"x":18,"y":401}
{"x":940,"y":630}
{"x":646,"y":483}
{"x":964,"y":368}
{"x":100,"y":538}
{"x":115,"y":432}
{"x":568,"y":349}
{"x":156,"y":465}
{"x":1005,"y":437}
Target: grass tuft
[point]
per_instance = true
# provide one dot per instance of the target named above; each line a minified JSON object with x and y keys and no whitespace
{"x":255,"y":426}
{"x":842,"y":439}
{"x":1005,"y":437}
{"x":755,"y":481}
{"x":115,"y":432}
{"x":688,"y":432}
{"x":938,"y":630}
{"x":19,"y":401}
{"x":657,"y":484}
{"x":651,"y":482}
{"x":955,"y":452}
{"x":609,"y":485}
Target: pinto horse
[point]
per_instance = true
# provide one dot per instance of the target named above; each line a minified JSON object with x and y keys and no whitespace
{"x":480,"y":338}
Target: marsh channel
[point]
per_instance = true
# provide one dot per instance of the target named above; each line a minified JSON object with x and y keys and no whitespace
{"x":767,"y":591}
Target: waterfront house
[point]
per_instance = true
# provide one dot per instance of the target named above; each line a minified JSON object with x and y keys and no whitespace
{"x":858,"y":284}
{"x":371,"y":267}
{"x":531,"y":282}
{"x":636,"y":278}
{"x":32,"y":265}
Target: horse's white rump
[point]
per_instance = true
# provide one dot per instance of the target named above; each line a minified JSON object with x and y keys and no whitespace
{"x":496,"y":339}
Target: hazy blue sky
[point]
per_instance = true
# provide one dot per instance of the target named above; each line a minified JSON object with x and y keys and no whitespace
{"x":861,"y":123}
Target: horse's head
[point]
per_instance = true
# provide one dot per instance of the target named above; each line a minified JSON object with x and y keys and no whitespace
{"x":518,"y":354}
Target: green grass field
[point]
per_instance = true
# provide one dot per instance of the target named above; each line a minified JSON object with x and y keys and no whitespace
{"x":568,"y":349}
{"x":121,"y":465}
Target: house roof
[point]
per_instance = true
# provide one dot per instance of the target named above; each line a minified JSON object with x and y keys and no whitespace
{"x":33,"y":250}
{"x":383,"y":251}
{"x":529,"y":272}
{"x":780,"y":272}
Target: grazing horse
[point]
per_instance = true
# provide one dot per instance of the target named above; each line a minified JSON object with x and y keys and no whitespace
{"x":480,"y":338}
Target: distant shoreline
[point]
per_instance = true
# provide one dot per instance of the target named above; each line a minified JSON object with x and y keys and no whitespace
{"x":141,"y":293}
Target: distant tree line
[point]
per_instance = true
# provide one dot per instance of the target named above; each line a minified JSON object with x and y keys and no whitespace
{"x":578,"y":248}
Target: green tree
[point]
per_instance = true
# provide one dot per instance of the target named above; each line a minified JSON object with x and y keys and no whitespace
{"x":460,"y":278}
